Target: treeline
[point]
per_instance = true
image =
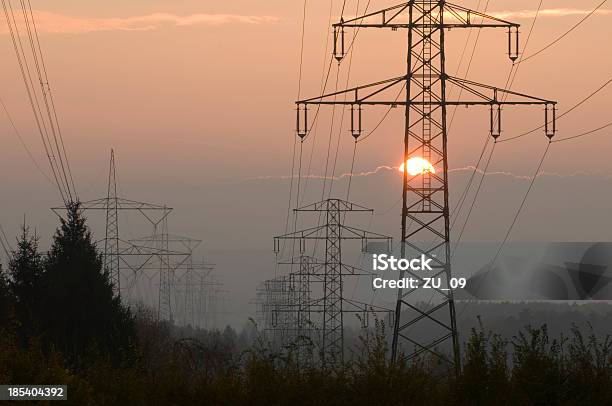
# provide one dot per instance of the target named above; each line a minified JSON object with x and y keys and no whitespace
{"x":61,"y":324}
{"x":64,"y":300}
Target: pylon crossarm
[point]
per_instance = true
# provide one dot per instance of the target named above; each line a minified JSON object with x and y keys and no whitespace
{"x":136,"y":269}
{"x":311,"y":271}
{"x":300,"y":260}
{"x":357,"y":306}
{"x":319,"y":271}
{"x":314,"y":233}
{"x":338,"y":204}
{"x":302,"y":235}
{"x":494,"y":95}
{"x":484,"y":95}
{"x":395,"y":17}
{"x":464,"y":16}
{"x":356,"y":233}
{"x":188,"y":242}
{"x":123,"y":204}
{"x":354,"y":271}
{"x":132,"y":248}
{"x":373,"y":89}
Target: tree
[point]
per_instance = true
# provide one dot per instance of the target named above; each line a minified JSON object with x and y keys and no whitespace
{"x":25,"y":272}
{"x":5,"y":301}
{"x":82,"y":315}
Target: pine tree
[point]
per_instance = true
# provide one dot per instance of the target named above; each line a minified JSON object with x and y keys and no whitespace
{"x":25,"y":272}
{"x":81,"y":312}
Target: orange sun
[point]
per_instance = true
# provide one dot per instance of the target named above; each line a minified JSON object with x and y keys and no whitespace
{"x":418,"y":166}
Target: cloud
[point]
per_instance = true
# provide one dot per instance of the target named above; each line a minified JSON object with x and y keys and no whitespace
{"x":551,"y":12}
{"x":385,"y":168}
{"x":312,"y":176}
{"x":471,"y":168}
{"x":60,"y":23}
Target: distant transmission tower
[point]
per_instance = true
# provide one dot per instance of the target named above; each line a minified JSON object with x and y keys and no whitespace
{"x":276,"y":311}
{"x":332,"y":304}
{"x":111,"y":242}
{"x":425,"y":208}
{"x":193,"y":287}
{"x":117,"y":250}
{"x":173,"y":253}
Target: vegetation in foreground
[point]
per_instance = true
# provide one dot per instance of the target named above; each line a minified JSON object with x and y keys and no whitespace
{"x":61,"y":324}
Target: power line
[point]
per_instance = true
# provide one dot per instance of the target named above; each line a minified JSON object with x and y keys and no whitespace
{"x":520,"y":209}
{"x":52,"y":140}
{"x":467,"y":218}
{"x":44,"y":66}
{"x":584,"y":133}
{"x":467,"y":70}
{"x":331,"y":132}
{"x":580,"y":103}
{"x":348,"y":77}
{"x":324,"y":81}
{"x":556,"y":40}
{"x":52,"y":124}
{"x":27,"y":80}
{"x":348,"y":189}
{"x":517,"y":65}
{"x":299,"y":91}
{"x":512,"y":224}
{"x":6,"y":246}
{"x":22,"y":141}
{"x":384,"y":117}
{"x":509,"y":83}
{"x":358,"y":28}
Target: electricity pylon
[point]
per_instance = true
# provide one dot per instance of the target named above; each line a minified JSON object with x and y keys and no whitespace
{"x":333,"y":305}
{"x":302,"y":283}
{"x":276,"y":310}
{"x":118,"y":250}
{"x":173,"y":253}
{"x":159,"y":254}
{"x":192,"y":289}
{"x":111,"y":242}
{"x":425,"y":87}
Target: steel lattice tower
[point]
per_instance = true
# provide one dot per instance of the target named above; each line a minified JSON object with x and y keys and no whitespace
{"x":425,"y":215}
{"x":166,"y":275}
{"x":296,"y":328}
{"x":173,"y":253}
{"x":333,"y":305}
{"x":304,"y":296}
{"x":190,"y":294}
{"x":111,"y":241}
{"x":127,"y":261}
{"x":118,"y":250}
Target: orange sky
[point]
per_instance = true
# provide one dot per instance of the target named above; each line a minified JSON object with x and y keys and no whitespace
{"x":197,"y":94}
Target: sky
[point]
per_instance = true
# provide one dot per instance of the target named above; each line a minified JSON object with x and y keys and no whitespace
{"x":197,"y":99}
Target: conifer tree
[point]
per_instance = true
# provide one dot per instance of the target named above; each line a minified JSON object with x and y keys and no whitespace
{"x":82,"y":314}
{"x":25,"y":271}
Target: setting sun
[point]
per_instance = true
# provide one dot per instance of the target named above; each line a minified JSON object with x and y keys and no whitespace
{"x":418,"y":166}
